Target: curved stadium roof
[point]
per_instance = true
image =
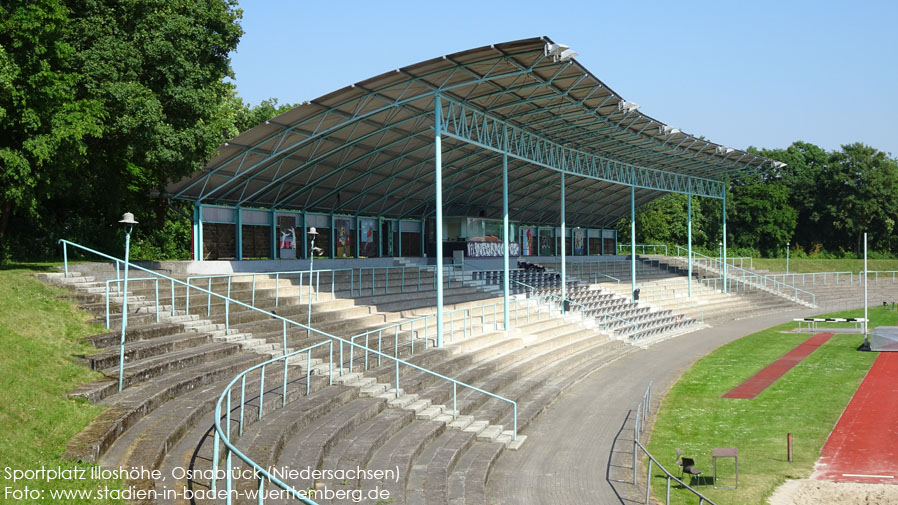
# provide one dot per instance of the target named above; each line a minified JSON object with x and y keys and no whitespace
{"x":368,"y":149}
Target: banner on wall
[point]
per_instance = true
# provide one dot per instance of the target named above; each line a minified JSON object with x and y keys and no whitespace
{"x":343,"y":236}
{"x":527,"y":239}
{"x":369,"y":247}
{"x":546,"y":246}
{"x":286,"y":237}
{"x":579,"y":241}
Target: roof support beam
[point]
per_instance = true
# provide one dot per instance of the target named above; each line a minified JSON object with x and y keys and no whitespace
{"x":468,"y":124}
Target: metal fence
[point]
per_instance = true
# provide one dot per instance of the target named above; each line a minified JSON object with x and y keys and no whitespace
{"x":642,"y":412}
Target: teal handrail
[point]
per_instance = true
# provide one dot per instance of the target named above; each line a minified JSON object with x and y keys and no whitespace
{"x":154,"y":279}
{"x":642,"y":411}
{"x":285,"y":321}
{"x":753,"y":279}
{"x":277,"y":277}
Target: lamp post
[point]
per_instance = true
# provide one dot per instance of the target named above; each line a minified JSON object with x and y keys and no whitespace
{"x":720,"y":253}
{"x":128,"y":223}
{"x":312,"y":250}
{"x":787,"y":257}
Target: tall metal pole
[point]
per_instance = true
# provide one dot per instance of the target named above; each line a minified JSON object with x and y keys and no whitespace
{"x":633,"y":241}
{"x":866,"y":342}
{"x":312,"y":233}
{"x":689,"y":240}
{"x":121,"y":362}
{"x":505,"y":235}
{"x":563,"y":249}
{"x":724,"y":252}
{"x":787,"y":257}
{"x":438,"y":182}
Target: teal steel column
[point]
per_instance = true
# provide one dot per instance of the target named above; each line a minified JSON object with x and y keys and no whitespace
{"x":200,"y":245}
{"x":274,"y":235}
{"x":358,"y":236}
{"x":438,"y":182}
{"x":305,"y":245}
{"x":239,"y":224}
{"x":333,"y":252}
{"x":602,"y":240}
{"x":633,"y":240}
{"x":399,"y":228}
{"x":689,"y":240}
{"x":380,"y":237}
{"x":725,"y":239}
{"x":505,"y":235}
{"x":423,"y":227}
{"x":196,"y":233}
{"x":563,"y":237}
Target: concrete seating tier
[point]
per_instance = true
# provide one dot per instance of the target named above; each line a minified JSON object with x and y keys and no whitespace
{"x":176,"y":369}
{"x":440,"y":458}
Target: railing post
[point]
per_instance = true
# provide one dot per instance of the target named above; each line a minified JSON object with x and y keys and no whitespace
{"x":648,"y":482}
{"x":65,"y":260}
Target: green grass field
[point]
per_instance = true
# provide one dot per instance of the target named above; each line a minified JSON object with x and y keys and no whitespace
{"x":39,"y":344}
{"x":807,"y":401}
{"x":804,"y":265}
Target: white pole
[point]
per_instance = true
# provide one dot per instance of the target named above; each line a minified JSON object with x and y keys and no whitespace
{"x":865,"y":288}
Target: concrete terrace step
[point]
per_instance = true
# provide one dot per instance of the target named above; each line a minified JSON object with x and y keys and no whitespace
{"x":130,"y":405}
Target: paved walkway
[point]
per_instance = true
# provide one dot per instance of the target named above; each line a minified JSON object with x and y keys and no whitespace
{"x":863,"y":447}
{"x":570,"y":455}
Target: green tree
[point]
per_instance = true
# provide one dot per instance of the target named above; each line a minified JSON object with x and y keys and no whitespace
{"x":114,"y":99}
{"x":44,"y":122}
{"x":860,"y":184}
{"x":761,"y":217}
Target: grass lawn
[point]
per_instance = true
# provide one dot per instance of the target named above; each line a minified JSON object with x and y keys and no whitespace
{"x":39,"y":343}
{"x":807,"y":401}
{"x":803,"y":265}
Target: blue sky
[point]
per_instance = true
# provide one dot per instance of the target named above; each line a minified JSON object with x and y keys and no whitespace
{"x":748,"y":73}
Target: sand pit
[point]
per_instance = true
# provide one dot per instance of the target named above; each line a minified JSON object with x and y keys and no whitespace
{"x":817,"y":492}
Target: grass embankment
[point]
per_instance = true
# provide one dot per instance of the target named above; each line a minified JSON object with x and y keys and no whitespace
{"x":807,"y":401}
{"x":40,"y":339}
{"x":805,"y":265}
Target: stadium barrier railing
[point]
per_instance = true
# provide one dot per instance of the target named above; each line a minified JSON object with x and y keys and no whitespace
{"x":642,"y":411}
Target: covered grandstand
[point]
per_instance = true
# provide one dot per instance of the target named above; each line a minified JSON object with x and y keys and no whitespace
{"x":419,"y":156}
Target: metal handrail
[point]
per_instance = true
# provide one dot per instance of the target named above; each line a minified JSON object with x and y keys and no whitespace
{"x":285,"y":321}
{"x":642,"y":411}
{"x":655,"y":247}
{"x":467,"y":325}
{"x":154,"y":279}
{"x":747,"y":277}
{"x":418,"y":268}
{"x":277,"y":276}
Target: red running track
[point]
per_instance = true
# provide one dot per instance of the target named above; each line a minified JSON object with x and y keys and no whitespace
{"x":863,"y":447}
{"x":772,"y":372}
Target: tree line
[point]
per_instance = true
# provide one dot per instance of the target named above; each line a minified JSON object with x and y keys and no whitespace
{"x":820,"y":203}
{"x":101,"y":106}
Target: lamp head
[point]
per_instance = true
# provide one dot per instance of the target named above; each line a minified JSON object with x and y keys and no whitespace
{"x":128,"y":218}
{"x":312,"y":232}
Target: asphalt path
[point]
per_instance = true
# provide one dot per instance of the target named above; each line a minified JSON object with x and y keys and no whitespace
{"x":580,"y":449}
